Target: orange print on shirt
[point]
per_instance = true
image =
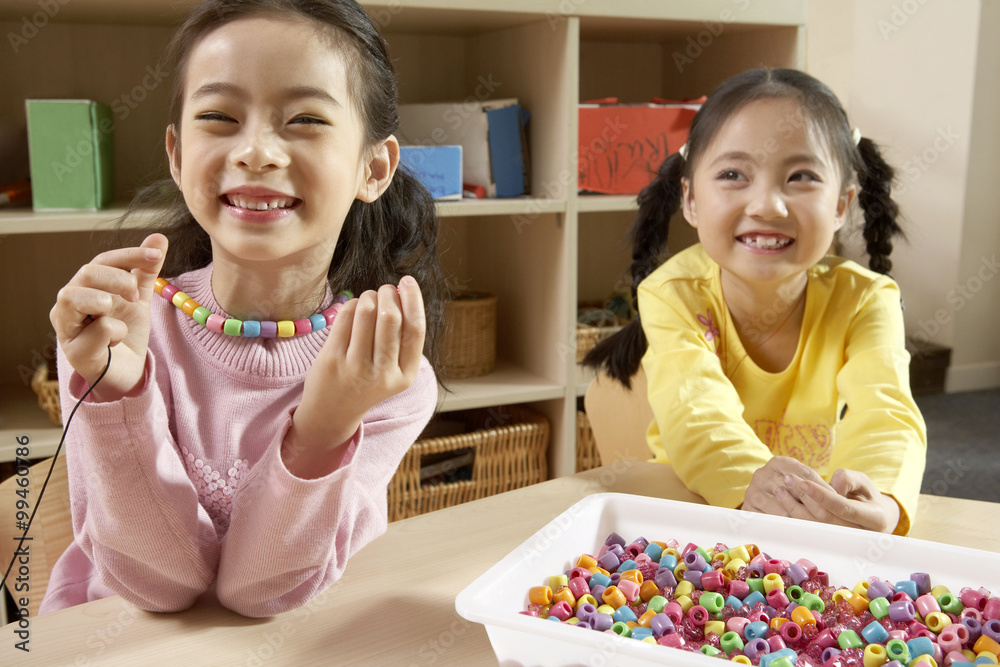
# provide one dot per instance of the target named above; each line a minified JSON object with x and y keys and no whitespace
{"x":809,"y":443}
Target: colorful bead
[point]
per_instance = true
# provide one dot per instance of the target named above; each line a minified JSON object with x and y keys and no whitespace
{"x":251,"y":329}
{"x":874,"y":655}
{"x":179,"y":298}
{"x":190,"y":306}
{"x":303,"y":326}
{"x":286,"y":328}
{"x":896,"y":649}
{"x":232,"y":327}
{"x":215,"y":322}
{"x":168,"y":291}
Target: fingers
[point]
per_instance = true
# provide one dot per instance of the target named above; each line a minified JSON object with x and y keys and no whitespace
{"x":388,"y":325}
{"x":414,"y":329}
{"x":383,"y":329}
{"x":154,"y":253}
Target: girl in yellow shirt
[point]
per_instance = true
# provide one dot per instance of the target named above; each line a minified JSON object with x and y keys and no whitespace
{"x":778,"y":375}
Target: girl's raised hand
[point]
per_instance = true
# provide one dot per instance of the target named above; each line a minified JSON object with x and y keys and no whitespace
{"x":107,"y":304}
{"x":850,"y":499}
{"x":373,"y":353}
{"x":767,"y":486}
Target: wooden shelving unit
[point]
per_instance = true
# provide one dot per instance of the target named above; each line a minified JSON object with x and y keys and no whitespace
{"x":539,"y":254}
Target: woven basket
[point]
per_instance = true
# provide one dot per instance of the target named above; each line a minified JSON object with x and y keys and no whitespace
{"x":588,"y":336}
{"x":469,"y":340}
{"x":48,"y":393}
{"x":509,"y":446}
{"x":587,"y":456}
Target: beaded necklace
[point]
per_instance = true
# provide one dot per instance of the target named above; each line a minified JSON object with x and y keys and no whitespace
{"x":250,"y":328}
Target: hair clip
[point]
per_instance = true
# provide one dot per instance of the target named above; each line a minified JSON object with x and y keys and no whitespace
{"x":856,"y":135}
{"x":683,"y":151}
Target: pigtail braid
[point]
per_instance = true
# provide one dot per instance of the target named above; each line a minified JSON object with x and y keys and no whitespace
{"x":881,"y":212}
{"x":620,"y":355}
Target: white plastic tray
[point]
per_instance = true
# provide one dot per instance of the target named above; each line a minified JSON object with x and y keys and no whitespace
{"x":848,"y":555}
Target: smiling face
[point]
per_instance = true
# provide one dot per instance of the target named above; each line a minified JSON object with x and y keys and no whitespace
{"x":766,"y":195}
{"x":270,"y":150}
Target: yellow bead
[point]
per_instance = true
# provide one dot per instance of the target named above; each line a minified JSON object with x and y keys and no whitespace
{"x":606,"y":609}
{"x":680,"y":570}
{"x":586,"y":599}
{"x":936,"y":621}
{"x":649,"y":640}
{"x":842,"y":595}
{"x":685,"y":602}
{"x":557,"y":581}
{"x":179,"y":298}
{"x":572,"y":620}
{"x":777,"y":622}
{"x":724,"y":557}
{"x":670,"y":551}
{"x":860,"y":588}
{"x":683,"y":588}
{"x":875,"y":655}
{"x":741,"y":660}
{"x":938,"y":591}
{"x":741,"y":553}
{"x":773,"y":582}
{"x":923,"y":661}
{"x":989,"y":655}
{"x":286,"y":329}
{"x":734,"y":565}
{"x":715,"y":628}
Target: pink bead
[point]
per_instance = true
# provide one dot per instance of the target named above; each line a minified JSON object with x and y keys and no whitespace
{"x":691,"y":546}
{"x":698,"y":614}
{"x":712,"y":581}
{"x":774,"y":566}
{"x":808,"y":566}
{"x":580,"y":572}
{"x":897,"y":634}
{"x":578,"y":587}
{"x":759,"y":559}
{"x":737,"y":624}
{"x":673,"y":640}
{"x":926,"y":604}
{"x":953,"y":637}
{"x":777,"y":599}
{"x":214,"y":322}
{"x":303,"y":327}
{"x":739,"y":588}
{"x":776,"y":643}
{"x":974,"y":599}
{"x":642,"y":559}
{"x":168,"y":292}
{"x":955,"y":657}
{"x":992,"y":609}
{"x":674,"y":612}
{"x":331,"y":314}
{"x":629,"y":588}
{"x":822,"y":578}
{"x":561,"y":610}
{"x":975,"y":614}
{"x":826,"y":639}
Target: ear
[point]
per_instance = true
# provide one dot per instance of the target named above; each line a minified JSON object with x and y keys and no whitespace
{"x":173,"y":142}
{"x":844,"y":205}
{"x":379,"y":170}
{"x":687,"y":203}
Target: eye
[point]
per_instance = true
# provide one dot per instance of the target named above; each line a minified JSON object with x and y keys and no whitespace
{"x":730,"y":175}
{"x":804,"y":176}
{"x":213,"y":116}
{"x":308,"y":120}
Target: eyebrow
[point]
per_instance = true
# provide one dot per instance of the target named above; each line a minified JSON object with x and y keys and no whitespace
{"x":747,"y":157}
{"x":296,"y":93}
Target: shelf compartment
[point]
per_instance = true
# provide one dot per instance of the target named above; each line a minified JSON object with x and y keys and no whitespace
{"x":507,"y":384}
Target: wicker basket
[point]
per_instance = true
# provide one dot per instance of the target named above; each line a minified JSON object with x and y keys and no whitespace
{"x":469,"y":341}
{"x":48,"y":393}
{"x":509,"y":446}
{"x":588,"y":336}
{"x":587,"y":456}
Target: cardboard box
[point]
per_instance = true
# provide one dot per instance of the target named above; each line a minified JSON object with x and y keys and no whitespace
{"x":438,"y":168}
{"x":621,"y":146}
{"x":71,"y":151}
{"x":492,"y":135}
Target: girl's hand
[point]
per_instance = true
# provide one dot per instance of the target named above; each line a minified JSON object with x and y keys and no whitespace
{"x":107,"y":303}
{"x":768,"y":483}
{"x":373,"y":353}
{"x":850,"y":499}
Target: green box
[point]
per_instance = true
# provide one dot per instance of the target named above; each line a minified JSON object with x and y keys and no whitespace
{"x":71,"y":148}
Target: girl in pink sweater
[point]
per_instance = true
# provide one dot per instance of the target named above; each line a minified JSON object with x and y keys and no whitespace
{"x":242,"y":439}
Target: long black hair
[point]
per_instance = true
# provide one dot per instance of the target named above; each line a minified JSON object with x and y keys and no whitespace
{"x":621,"y":354}
{"x":381,"y":241}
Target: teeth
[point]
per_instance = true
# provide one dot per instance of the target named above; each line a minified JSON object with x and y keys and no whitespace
{"x":239,"y":202}
{"x":766,"y":242}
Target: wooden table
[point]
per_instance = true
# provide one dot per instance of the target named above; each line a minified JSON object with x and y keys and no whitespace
{"x":421,"y":625}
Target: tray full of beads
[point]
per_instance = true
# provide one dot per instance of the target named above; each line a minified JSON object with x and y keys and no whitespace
{"x":622,"y":579}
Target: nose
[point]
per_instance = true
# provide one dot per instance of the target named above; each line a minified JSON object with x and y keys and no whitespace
{"x":767,"y":203}
{"x":259,"y":149}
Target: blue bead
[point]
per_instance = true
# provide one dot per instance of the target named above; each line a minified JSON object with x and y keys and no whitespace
{"x":754,"y":598}
{"x":909,"y":587}
{"x":874,"y":633}
{"x":734,"y":601}
{"x":654,"y":551}
{"x":755,"y":630}
{"x":768,"y":658}
{"x":599,"y":579}
{"x":669,"y":561}
{"x":624,"y":614}
{"x":251,"y":329}
{"x":626,"y":565}
{"x":920,"y":646}
{"x":640,"y":633}
{"x":318,"y":321}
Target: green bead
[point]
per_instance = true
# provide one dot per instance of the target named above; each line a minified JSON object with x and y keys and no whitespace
{"x":710,"y":650}
{"x":704,"y":554}
{"x":849,"y":639}
{"x":201,"y":314}
{"x":657,"y":603}
{"x":621,"y":629}
{"x":794,"y":593}
{"x":813,"y":602}
{"x":731,"y":642}
{"x":348,"y":293}
{"x":232,"y":327}
{"x":713,"y":602}
{"x":896,"y":649}
{"x":879,"y":607}
{"x":950,"y":604}
{"x":783,"y":661}
{"x":756,"y":584}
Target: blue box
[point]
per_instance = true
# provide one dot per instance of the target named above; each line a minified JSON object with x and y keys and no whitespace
{"x":438,"y":168}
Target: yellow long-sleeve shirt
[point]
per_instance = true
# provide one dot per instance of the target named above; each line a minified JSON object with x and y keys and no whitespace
{"x":716,"y":430}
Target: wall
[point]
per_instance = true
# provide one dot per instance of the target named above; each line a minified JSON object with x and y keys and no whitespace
{"x":907,"y":72}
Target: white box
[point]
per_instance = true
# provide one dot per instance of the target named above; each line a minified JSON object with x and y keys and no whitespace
{"x":848,"y":555}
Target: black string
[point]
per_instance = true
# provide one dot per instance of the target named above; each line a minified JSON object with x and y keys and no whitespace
{"x":41,"y":493}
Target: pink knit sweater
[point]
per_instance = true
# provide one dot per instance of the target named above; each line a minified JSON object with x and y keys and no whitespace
{"x":181,"y":489}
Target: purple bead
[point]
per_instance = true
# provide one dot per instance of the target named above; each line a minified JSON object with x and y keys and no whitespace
{"x":615,"y":578}
{"x":268,"y":329}
{"x":828,"y":653}
{"x":797,"y":573}
{"x":694,"y":561}
{"x":598,"y":592}
{"x":991,"y":629}
{"x":615,"y":538}
{"x":585,"y":611}
{"x":601,"y":622}
{"x":694,"y":576}
{"x":757,"y":570}
{"x":879,"y":589}
{"x":974,"y":627}
{"x":609,"y":562}
{"x":617,"y":550}
{"x":665,"y":578}
{"x":583,"y":624}
{"x":923,"y":581}
{"x":902,"y":611}
{"x":642,"y":542}
{"x":894,"y":663}
{"x":661,"y":625}
{"x":756,"y":647}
